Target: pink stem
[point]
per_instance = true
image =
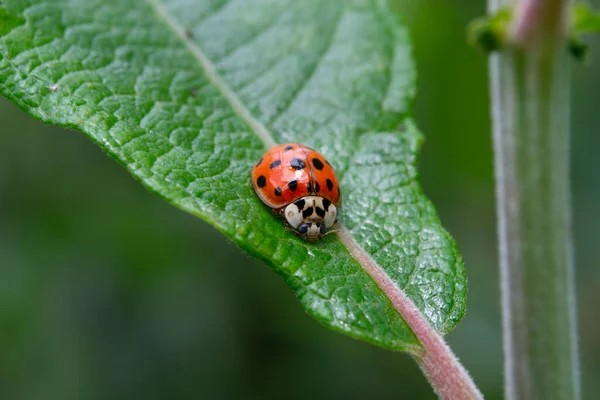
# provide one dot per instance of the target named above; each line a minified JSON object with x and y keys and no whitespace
{"x":448,"y":377}
{"x":539,"y":21}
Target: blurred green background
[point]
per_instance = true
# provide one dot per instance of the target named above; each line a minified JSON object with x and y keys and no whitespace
{"x":106,"y":291}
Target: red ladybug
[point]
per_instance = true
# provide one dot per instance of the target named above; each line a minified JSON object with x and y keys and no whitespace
{"x":299,"y":183}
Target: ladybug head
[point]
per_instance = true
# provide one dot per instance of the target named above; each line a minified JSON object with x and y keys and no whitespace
{"x":311,"y":230}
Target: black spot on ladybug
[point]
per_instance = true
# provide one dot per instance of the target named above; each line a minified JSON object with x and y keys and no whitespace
{"x":309,"y":187}
{"x":300,"y":204}
{"x":261,"y":182}
{"x":293,"y":185}
{"x":275,"y":164}
{"x":317,"y":187}
{"x":326,"y":204}
{"x":260,"y":161}
{"x":320,"y":212}
{"x":318,"y":164}
{"x":297,"y":164}
{"x":308,"y":212}
{"x":288,"y":148}
{"x":329,"y":184}
{"x":277,"y":191}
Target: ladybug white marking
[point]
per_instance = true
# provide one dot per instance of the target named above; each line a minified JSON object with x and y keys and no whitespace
{"x":311,"y":216}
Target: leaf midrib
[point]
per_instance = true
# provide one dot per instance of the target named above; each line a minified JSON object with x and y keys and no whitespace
{"x":210,"y":71}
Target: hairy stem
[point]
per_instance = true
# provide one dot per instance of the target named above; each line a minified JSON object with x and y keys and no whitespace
{"x":530,"y":106}
{"x":446,"y":374}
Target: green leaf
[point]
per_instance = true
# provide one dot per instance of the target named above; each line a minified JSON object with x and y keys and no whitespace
{"x":8,"y":21}
{"x":187,"y":95}
{"x":489,"y":32}
{"x":585,"y":19}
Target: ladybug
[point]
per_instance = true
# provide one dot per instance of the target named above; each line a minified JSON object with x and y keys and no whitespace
{"x":298,"y":182}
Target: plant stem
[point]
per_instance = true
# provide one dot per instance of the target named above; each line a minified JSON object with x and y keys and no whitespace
{"x":447,"y":376}
{"x":531,"y":109}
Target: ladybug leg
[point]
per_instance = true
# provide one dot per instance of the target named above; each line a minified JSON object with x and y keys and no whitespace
{"x":295,"y":232}
{"x":288,"y":228}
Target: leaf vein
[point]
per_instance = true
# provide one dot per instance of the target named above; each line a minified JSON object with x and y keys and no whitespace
{"x":255,"y":36}
{"x":213,"y":76}
{"x":312,"y":71}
